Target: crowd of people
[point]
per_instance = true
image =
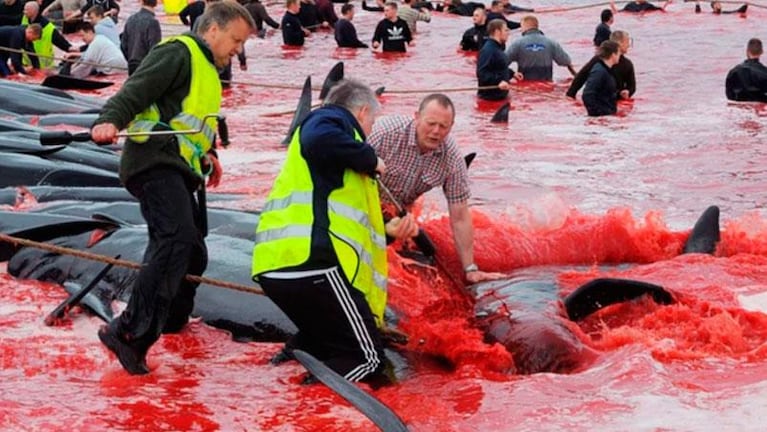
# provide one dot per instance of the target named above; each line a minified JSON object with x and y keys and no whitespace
{"x":320,"y":251}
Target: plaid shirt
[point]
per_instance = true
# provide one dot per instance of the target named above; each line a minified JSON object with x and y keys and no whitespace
{"x":410,"y":173}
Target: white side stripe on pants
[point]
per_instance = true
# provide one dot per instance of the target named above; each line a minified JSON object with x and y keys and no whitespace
{"x":358,"y":326}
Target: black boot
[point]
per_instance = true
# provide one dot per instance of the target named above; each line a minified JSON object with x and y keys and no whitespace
{"x":131,"y":358}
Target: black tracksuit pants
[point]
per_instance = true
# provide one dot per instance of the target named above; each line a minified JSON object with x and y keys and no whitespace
{"x":334,"y":321}
{"x":162,"y":299}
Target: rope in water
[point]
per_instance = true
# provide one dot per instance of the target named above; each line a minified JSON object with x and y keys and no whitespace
{"x":123,"y":263}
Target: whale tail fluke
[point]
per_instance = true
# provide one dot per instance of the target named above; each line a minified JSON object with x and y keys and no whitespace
{"x":603,"y":292}
{"x":705,"y":234}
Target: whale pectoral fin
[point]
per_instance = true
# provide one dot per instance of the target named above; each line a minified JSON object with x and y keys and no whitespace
{"x":602,"y":292}
{"x":302,"y":110}
{"x":381,"y":415}
{"x":705,"y":235}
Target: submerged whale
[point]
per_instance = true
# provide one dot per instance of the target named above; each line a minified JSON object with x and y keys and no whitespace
{"x":526,"y":315}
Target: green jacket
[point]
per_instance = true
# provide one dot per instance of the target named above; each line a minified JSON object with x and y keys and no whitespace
{"x":163,"y":78}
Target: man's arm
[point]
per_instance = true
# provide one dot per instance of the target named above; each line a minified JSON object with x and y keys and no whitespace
{"x":183,"y":15}
{"x":463,"y":231}
{"x":60,"y":42}
{"x":581,"y":77}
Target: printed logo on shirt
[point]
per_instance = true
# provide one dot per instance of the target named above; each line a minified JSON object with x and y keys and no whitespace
{"x":395,"y":33}
{"x":535,"y":47}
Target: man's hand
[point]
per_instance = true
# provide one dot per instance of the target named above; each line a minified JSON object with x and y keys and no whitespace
{"x":503,"y":85}
{"x":104,"y":133}
{"x":375,"y":45}
{"x":480,"y":276}
{"x":402,"y":227}
{"x":624,"y":94}
{"x":380,"y":166}
{"x":518,"y":76}
{"x":214,"y":179}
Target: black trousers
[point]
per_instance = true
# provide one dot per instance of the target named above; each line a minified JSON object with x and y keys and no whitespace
{"x":162,"y":299}
{"x":334,"y":321}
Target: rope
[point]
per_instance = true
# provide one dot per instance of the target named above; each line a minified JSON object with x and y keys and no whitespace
{"x":475,"y":88}
{"x":123,"y":263}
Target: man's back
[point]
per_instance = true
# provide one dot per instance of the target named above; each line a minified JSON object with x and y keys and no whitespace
{"x":534,"y":53}
{"x":747,"y":82}
{"x":141,"y":33}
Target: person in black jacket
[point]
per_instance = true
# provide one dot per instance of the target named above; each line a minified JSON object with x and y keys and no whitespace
{"x":309,"y":15}
{"x":599,"y":96}
{"x":474,"y":38}
{"x":492,"y":69}
{"x":141,"y":33}
{"x":496,"y":12}
{"x":18,"y":37}
{"x":345,"y":33}
{"x":392,"y":31}
{"x":623,"y":72}
{"x":602,"y":32}
{"x":458,"y":7}
{"x":261,"y":17}
{"x":11,"y":12}
{"x":293,"y":32}
{"x":748,"y":80}
{"x":191,"y":12}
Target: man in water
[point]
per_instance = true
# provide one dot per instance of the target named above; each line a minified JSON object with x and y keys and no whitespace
{"x":600,"y":94}
{"x":748,"y":80}
{"x":639,"y":6}
{"x":535,"y":53}
{"x":623,"y":71}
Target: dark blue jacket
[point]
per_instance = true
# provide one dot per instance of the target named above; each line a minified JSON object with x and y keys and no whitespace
{"x":492,"y":68}
{"x":600,"y":94}
{"x":601,"y":34}
{"x":329,"y":148}
{"x":15,"y":37}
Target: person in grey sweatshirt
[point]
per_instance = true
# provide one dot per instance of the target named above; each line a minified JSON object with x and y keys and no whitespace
{"x":535,"y":53}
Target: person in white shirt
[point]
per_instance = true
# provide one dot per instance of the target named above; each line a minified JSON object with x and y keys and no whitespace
{"x":101,"y":57}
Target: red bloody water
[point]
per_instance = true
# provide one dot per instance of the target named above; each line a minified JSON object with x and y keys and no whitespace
{"x":552,"y":187}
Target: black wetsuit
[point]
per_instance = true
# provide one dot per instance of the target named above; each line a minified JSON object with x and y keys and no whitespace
{"x":191,"y":12}
{"x":747,"y":82}
{"x":463,"y":9}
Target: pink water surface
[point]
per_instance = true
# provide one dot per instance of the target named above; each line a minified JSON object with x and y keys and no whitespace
{"x":551,"y":187}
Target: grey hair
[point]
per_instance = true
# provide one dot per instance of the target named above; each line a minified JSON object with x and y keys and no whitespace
{"x":352,"y":95}
{"x":223,"y":13}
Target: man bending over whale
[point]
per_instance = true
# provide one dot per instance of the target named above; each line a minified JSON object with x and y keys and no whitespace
{"x":421,"y":155}
{"x":163,"y":171}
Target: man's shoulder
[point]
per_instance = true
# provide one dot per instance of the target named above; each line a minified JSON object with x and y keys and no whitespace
{"x":392,"y":124}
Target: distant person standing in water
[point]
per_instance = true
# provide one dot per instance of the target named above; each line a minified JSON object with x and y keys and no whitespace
{"x":748,"y":80}
{"x":600,"y":94}
{"x":639,"y":6}
{"x":345,"y":33}
{"x":603,"y":31}
{"x":392,"y":32}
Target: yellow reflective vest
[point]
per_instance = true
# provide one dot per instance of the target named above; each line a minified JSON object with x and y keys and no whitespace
{"x":42,"y":46}
{"x":356,"y":231}
{"x":204,"y":98}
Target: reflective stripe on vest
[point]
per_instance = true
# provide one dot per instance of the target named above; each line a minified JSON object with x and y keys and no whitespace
{"x":204,"y":98}
{"x":284,"y":231}
{"x":42,"y":46}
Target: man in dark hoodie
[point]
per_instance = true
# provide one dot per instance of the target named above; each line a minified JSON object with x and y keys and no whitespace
{"x":345,"y":33}
{"x":492,"y":69}
{"x":163,"y":172}
{"x":320,"y":251}
{"x":392,"y":31}
{"x":599,"y":96}
{"x":748,"y":80}
{"x":623,"y":72}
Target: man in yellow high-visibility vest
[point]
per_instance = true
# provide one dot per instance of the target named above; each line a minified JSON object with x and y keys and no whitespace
{"x":320,"y":250}
{"x":174,"y":89}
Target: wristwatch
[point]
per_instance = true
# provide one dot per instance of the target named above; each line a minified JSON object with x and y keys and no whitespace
{"x":470,"y":268}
